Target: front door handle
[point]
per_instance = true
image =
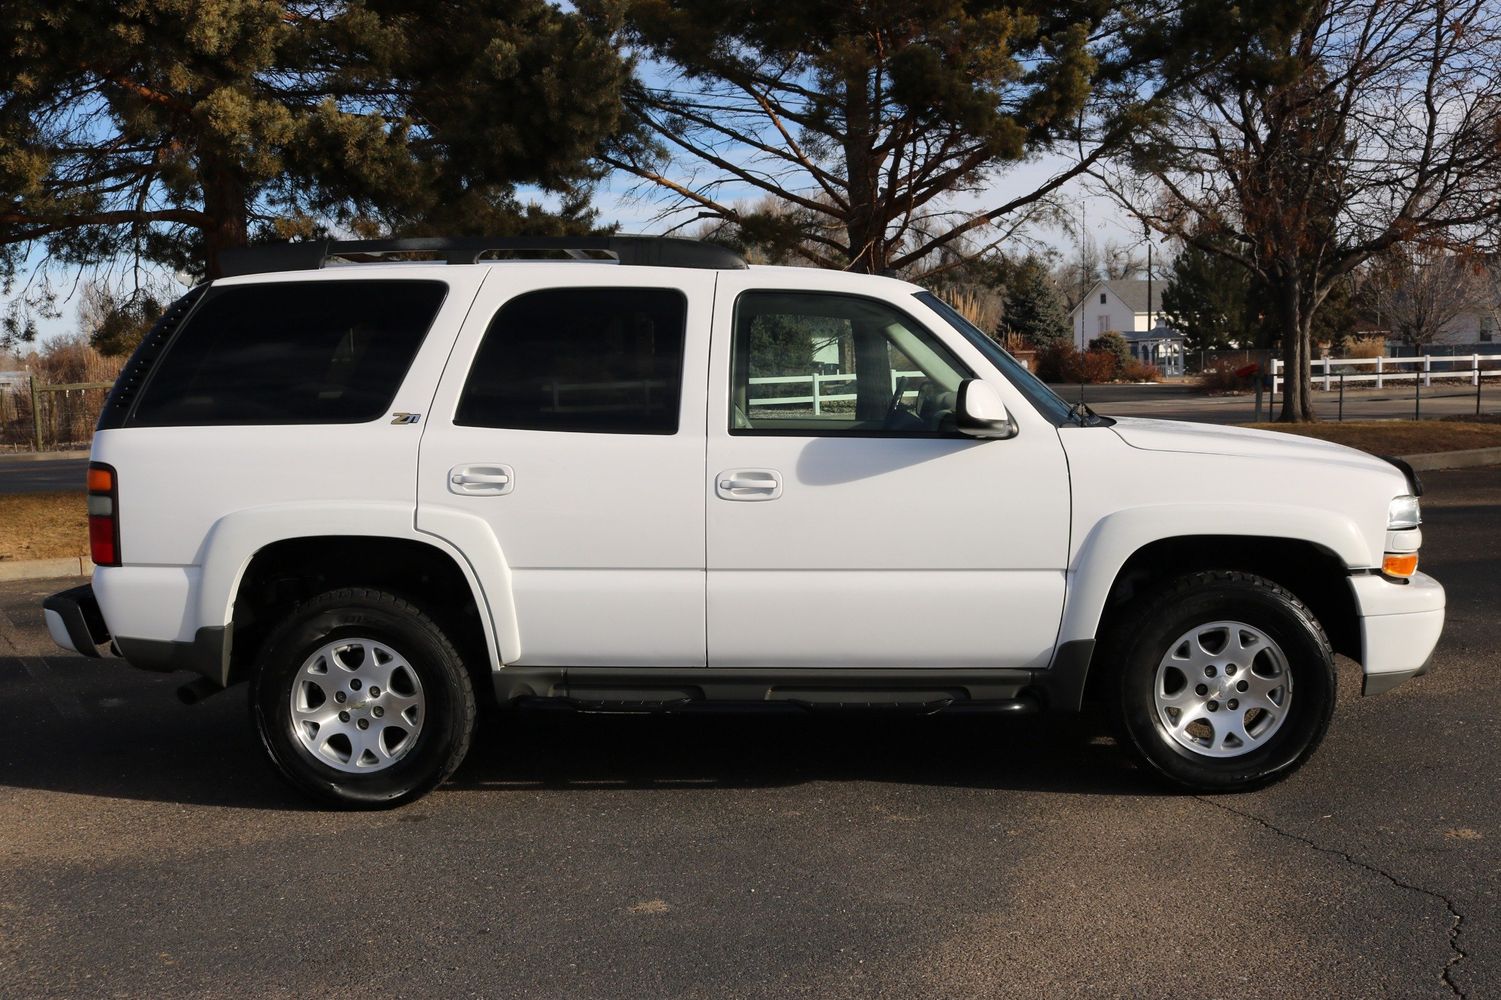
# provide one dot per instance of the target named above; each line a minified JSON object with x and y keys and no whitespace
{"x":481,"y":480}
{"x":748,"y":484}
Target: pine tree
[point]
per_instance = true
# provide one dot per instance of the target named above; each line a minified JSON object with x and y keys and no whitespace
{"x":172,"y":129}
{"x":1033,"y":305}
{"x":870,"y":116}
{"x":1207,"y":299}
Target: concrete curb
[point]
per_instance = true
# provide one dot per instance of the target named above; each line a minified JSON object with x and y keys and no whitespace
{"x":42,"y":456}
{"x":41,"y":569}
{"x":1468,"y":459}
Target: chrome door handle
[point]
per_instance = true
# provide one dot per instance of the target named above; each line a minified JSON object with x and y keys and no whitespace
{"x":481,"y":480}
{"x":748,"y":484}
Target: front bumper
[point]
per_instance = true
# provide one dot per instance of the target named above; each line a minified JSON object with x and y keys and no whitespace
{"x":1400,"y":624}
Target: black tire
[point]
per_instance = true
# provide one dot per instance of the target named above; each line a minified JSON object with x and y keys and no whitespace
{"x":448,"y":716}
{"x":1152,"y":623}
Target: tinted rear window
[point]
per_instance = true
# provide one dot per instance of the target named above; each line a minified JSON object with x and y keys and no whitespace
{"x":307,"y":352}
{"x":601,"y":360}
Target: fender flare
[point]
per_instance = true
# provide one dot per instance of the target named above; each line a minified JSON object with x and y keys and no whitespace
{"x":1114,"y":539}
{"x":233,"y":541}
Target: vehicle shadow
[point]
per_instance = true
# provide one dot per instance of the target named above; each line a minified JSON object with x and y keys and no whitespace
{"x":124,"y":735}
{"x":567,"y":750}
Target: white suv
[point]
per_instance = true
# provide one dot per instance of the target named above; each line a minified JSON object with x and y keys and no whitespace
{"x":370,"y":486}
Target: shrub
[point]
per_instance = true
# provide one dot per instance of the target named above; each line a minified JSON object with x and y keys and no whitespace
{"x":71,"y":359}
{"x":1137,"y":371}
{"x":1100,"y":366}
{"x":1060,"y":363}
{"x":1220,"y":376}
{"x":1366,"y":347}
{"x":1113,"y":343}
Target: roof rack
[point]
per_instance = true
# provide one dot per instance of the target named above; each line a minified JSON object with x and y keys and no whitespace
{"x":639,"y":251}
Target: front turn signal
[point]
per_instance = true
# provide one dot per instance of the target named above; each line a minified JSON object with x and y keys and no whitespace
{"x":1400,"y":565}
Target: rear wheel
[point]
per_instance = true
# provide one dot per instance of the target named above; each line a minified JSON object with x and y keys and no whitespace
{"x":361,"y":700}
{"x":1226,"y":681}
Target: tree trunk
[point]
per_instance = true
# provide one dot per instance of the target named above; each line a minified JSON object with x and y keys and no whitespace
{"x":864,"y":227}
{"x":1295,"y":325}
{"x":226,"y":203}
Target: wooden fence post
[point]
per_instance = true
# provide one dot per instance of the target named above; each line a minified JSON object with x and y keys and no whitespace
{"x":36,"y":416}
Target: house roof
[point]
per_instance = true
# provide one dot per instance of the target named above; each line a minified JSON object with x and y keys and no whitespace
{"x":1133,"y":292}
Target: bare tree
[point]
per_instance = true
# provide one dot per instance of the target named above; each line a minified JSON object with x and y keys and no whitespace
{"x":1421,"y":290}
{"x":888,"y":124}
{"x":1380,"y":128}
{"x":1092,"y":261}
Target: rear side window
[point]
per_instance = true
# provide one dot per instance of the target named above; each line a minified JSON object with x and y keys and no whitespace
{"x":306,"y":352}
{"x":600,"y":360}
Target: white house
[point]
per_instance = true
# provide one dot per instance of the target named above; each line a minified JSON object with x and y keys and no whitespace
{"x":1474,"y":326}
{"x":1123,"y":307}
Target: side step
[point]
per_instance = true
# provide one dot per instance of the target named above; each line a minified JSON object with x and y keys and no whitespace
{"x":633,"y":689}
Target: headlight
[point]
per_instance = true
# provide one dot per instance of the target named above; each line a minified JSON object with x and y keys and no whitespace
{"x":1403,"y":513}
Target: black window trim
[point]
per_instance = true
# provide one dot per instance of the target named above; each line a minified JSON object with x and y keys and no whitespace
{"x":959,"y":365}
{"x":677,"y":429}
{"x":143,"y":361}
{"x":209,"y":291}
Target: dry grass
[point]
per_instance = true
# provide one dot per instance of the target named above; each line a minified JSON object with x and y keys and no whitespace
{"x":1398,"y":437}
{"x":43,"y":526}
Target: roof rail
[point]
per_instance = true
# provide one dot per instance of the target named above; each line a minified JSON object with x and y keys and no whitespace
{"x":640,"y":251}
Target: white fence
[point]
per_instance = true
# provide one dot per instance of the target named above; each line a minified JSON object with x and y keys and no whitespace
{"x":816,"y":396}
{"x":1328,"y":373}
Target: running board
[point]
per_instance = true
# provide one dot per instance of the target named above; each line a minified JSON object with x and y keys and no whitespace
{"x":634,"y":689}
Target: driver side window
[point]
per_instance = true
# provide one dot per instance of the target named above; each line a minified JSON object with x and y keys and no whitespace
{"x":817,"y":363}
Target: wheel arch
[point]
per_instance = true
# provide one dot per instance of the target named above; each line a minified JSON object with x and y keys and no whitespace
{"x":284,"y":573}
{"x":1314,"y":571}
{"x":338,"y":542}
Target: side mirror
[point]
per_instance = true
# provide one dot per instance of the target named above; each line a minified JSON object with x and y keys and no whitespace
{"x":980,"y":413}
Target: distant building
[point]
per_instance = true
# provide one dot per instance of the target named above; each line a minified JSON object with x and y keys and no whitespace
{"x":1471,"y":327}
{"x":1123,"y":307}
{"x":15,"y":381}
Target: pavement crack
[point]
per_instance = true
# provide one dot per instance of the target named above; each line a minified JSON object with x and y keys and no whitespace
{"x":1455,"y":929}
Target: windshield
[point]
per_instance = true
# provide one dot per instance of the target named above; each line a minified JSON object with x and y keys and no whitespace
{"x":1048,"y":402}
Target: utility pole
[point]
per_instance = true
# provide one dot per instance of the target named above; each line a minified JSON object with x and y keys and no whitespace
{"x":1150,"y":325}
{"x":1083,"y":277}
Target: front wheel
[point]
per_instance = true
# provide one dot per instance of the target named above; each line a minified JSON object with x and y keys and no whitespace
{"x":1226,"y":681}
{"x":361,"y":700}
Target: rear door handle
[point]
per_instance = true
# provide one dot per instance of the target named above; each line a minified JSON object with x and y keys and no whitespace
{"x":748,"y":484}
{"x":481,"y":480}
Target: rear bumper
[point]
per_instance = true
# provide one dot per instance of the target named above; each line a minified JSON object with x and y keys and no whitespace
{"x":1400,"y":624}
{"x":76,"y":624}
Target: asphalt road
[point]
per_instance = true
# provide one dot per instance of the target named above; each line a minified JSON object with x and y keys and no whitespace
{"x":145,"y":849}
{"x":25,"y":474}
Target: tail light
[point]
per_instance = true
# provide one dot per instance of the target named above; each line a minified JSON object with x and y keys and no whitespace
{"x":104,"y":515}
